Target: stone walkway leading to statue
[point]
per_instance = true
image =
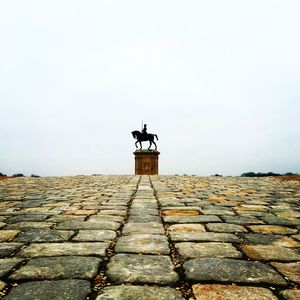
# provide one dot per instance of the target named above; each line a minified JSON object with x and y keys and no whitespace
{"x":149,"y":238}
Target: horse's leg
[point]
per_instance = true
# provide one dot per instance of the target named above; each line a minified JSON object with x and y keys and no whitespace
{"x":136,"y":144}
{"x":140,"y":145}
{"x":150,"y":144}
{"x":155,"y":145}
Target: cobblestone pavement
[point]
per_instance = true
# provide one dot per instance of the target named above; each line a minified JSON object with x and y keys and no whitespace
{"x":149,"y":238}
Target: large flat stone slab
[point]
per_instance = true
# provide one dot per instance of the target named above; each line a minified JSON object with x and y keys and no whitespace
{"x":242,"y":220}
{"x":144,"y":218}
{"x":95,"y":236}
{"x":197,"y":250}
{"x":129,"y":292}
{"x":143,"y":243}
{"x":58,"y":268}
{"x":271,"y":239}
{"x":231,"y":270}
{"x":7,"y":249}
{"x":231,"y":292}
{"x":74,"y":289}
{"x":203,"y":237}
{"x":272,"y":229}
{"x":109,"y":218}
{"x":147,"y":227}
{"x":290,"y":270}
{"x":7,"y":265}
{"x":269,"y":252}
{"x":29,"y":225}
{"x":191,"y":219}
{"x":58,"y":249}
{"x":101,"y":225}
{"x":133,"y":268}
{"x":44,"y":235}
{"x":290,"y":294}
{"x":225,"y":227}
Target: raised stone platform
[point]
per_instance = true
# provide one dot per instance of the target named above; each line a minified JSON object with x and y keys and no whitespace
{"x":149,"y":238}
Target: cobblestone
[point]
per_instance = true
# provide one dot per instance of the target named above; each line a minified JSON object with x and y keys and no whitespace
{"x":231,"y":270}
{"x":125,"y":292}
{"x":58,"y":268}
{"x":231,"y":292}
{"x":134,"y":268}
{"x":290,"y":294}
{"x":45,"y":290}
{"x":149,"y":237}
{"x":198,"y":250}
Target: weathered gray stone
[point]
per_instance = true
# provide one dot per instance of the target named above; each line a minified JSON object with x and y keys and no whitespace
{"x":204,"y":237}
{"x":44,"y":235}
{"x":104,"y":218}
{"x":272,"y":229}
{"x":225,"y":227}
{"x":147,"y":211}
{"x":231,"y":292}
{"x":145,"y":205}
{"x":290,"y":294}
{"x":95,"y":235}
{"x":129,"y":292}
{"x":133,"y":268}
{"x":58,"y":268}
{"x":264,"y":239}
{"x":7,"y":249}
{"x":58,"y":249}
{"x":198,"y":250}
{"x":27,"y":218}
{"x":74,"y":289}
{"x":115,"y":212}
{"x":273,"y":220}
{"x":101,"y":225}
{"x":147,"y":227}
{"x":231,"y":270}
{"x":64,"y":218}
{"x":290,"y":270}
{"x":217,"y":212}
{"x":192,"y":219}
{"x":29,"y":225}
{"x":144,"y":218}
{"x":242,"y":220}
{"x":143,"y":243}
{"x":269,"y":252}
{"x":7,"y":265}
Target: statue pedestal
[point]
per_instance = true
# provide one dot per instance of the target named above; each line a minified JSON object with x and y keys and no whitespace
{"x":146,"y":162}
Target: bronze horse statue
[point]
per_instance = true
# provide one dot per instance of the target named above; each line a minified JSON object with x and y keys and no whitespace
{"x":144,"y":137}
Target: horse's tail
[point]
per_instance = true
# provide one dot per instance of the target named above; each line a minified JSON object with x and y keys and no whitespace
{"x":155,"y":136}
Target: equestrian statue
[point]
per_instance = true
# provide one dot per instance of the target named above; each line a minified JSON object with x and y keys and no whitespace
{"x":144,"y":136}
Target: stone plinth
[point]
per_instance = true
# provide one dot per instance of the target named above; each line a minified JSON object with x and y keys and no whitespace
{"x":146,"y":162}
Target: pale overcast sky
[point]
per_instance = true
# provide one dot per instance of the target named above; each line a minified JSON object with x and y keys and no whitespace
{"x":217,"y":81}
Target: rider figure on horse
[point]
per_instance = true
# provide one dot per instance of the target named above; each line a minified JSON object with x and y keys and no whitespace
{"x":144,"y":131}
